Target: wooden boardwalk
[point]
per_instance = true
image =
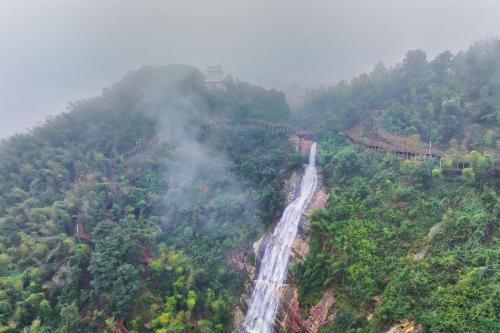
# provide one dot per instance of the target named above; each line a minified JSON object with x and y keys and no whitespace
{"x":275,"y":128}
{"x":404,"y":155}
{"x":271,"y":127}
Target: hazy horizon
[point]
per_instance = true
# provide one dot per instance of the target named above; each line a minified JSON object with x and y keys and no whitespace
{"x":56,"y":51}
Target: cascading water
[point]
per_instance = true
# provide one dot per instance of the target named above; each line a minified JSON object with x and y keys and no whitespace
{"x":273,"y":270}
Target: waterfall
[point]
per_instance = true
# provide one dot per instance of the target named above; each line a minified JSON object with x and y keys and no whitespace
{"x":274,"y":265}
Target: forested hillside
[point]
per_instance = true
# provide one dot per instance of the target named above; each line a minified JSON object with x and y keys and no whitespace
{"x":401,"y":241}
{"x":90,"y":242}
{"x":100,"y":234}
{"x":371,"y":246}
{"x":453,"y":100}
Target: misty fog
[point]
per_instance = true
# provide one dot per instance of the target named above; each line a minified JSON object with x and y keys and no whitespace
{"x":55,"y":51}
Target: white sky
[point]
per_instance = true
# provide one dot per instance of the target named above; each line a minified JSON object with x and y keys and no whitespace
{"x":54,"y":51}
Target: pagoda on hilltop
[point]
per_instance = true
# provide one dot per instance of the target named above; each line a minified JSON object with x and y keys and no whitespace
{"x":214,"y":77}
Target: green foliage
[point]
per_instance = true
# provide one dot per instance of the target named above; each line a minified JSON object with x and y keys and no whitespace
{"x":450,"y":97}
{"x":89,"y":243}
{"x":363,"y":244}
{"x":347,"y":320}
{"x":70,"y":318}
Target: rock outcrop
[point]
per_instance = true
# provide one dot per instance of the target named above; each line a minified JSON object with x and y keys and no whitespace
{"x":422,"y":251}
{"x":406,"y":326}
{"x":291,"y":317}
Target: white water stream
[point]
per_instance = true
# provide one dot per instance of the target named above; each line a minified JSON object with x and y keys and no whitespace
{"x":274,"y":266}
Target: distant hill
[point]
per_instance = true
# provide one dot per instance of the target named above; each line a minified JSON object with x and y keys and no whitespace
{"x":453,"y":100}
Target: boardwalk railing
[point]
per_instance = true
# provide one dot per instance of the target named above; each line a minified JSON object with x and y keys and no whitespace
{"x":139,"y":148}
{"x":275,"y":128}
{"x":404,"y":155}
{"x":272,"y":128}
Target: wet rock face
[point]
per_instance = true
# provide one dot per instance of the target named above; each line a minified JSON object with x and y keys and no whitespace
{"x":238,"y":317}
{"x":299,"y":249}
{"x":320,"y":200}
{"x":287,"y":300}
{"x":290,"y":317}
{"x":303,"y":144}
{"x":241,"y":259}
